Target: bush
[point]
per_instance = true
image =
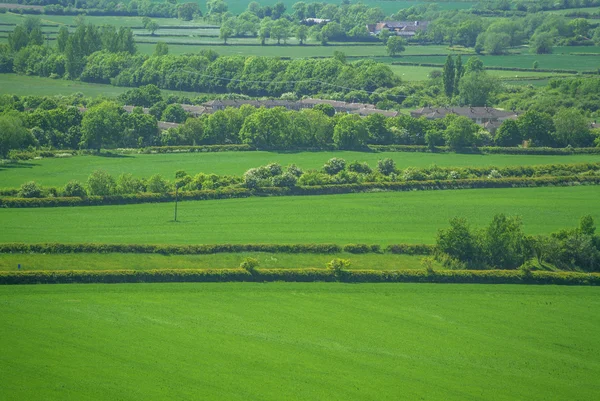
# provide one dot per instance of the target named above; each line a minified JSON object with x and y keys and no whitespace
{"x":334,"y":166}
{"x":158,"y":185}
{"x":285,"y":180}
{"x":386,"y":166}
{"x":74,"y":188}
{"x":30,"y":190}
{"x":249,"y":264}
{"x":338,"y":265}
{"x":359,"y":168}
{"x":100,"y":183}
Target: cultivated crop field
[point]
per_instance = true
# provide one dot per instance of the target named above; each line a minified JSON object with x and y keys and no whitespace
{"x":241,"y":341}
{"x":124,"y":261}
{"x":372,"y":218}
{"x":59,"y":171}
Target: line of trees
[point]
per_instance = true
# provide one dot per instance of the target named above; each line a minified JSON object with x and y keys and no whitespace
{"x":504,"y":245}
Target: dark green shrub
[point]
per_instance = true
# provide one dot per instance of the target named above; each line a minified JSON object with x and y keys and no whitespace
{"x":74,"y":188}
{"x":30,"y":190}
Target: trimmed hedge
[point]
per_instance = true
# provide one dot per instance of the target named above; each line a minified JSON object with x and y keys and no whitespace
{"x":206,"y":249}
{"x":410,"y":249}
{"x":488,"y":149}
{"x":300,"y":275}
{"x":201,"y":148}
{"x":511,"y":182}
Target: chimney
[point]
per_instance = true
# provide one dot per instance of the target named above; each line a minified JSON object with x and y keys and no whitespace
{"x":416,"y":23}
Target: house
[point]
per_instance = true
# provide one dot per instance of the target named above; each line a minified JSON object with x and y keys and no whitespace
{"x":315,"y":21}
{"x":406,"y":29}
{"x":488,"y":117}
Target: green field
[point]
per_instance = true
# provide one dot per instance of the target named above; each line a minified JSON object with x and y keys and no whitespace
{"x":375,"y":218}
{"x":124,"y":261}
{"x":24,"y":85}
{"x":416,"y":73}
{"x":283,"y":341}
{"x":525,"y":60}
{"x":59,"y":171}
{"x":11,"y":18}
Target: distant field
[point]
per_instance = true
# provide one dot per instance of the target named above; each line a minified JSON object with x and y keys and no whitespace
{"x":116,"y":261}
{"x":377,"y":218}
{"x":526,"y":60}
{"x":12,"y":18}
{"x":293,"y":50}
{"x":24,"y":85}
{"x":416,"y":73}
{"x":284,"y":341}
{"x":58,"y":171}
{"x":388,"y":6}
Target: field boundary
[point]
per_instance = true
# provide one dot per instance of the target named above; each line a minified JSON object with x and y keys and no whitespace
{"x":207,"y":249}
{"x":431,"y":185}
{"x":300,"y":275}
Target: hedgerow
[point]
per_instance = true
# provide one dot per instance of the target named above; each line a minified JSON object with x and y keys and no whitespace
{"x":202,"y":249}
{"x":300,"y":275}
{"x":229,"y":193}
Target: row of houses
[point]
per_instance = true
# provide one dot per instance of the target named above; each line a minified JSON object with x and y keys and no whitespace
{"x":362,"y":109}
{"x":487,"y":117}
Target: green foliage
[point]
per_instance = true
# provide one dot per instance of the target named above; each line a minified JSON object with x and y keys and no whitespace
{"x":101,"y":125}
{"x":13,"y":135}
{"x":100,"y":183}
{"x":395,"y":45}
{"x":250,"y":265}
{"x":30,"y":190}
{"x":337,"y":266}
{"x":334,"y":166}
{"x":386,"y":166}
{"x":461,"y":132}
{"x":74,"y":189}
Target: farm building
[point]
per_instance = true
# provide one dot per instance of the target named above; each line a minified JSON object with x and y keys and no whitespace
{"x":400,"y":28}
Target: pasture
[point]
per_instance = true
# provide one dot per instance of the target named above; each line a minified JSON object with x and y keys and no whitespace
{"x":525,"y":60}
{"x":374,"y":218}
{"x":29,"y":85}
{"x":59,"y":171}
{"x":241,"y":341}
{"x":124,"y":261}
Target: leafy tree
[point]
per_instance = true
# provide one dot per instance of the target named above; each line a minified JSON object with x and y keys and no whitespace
{"x":497,"y":43}
{"x":18,"y":38}
{"x":101,"y":125}
{"x":264,"y":128}
{"x":459,"y":242}
{"x":474,"y":64}
{"x":30,"y":190}
{"x":13,"y":135}
{"x":128,"y":184}
{"x":477,"y":88}
{"x":62,"y":38}
{"x":325,"y":108}
{"x":508,"y":134}
{"x":334,"y":166}
{"x":152,"y":26}
{"x":350,"y":132}
{"x":174,"y":113}
{"x":161,"y":49}
{"x":538,"y":127}
{"x":386,"y":166}
{"x":74,"y":188}
{"x":395,"y":45}
{"x":100,"y":183}
{"x":460,"y":72}
{"x":188,"y":11}
{"x":504,"y":244}
{"x":461,"y":133}
{"x":301,"y":33}
{"x":541,"y":43}
{"x":572,"y":128}
{"x":157,"y":184}
{"x":448,"y":76}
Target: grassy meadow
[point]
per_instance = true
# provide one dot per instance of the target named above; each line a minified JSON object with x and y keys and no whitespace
{"x":59,"y":171}
{"x":375,"y":218}
{"x":243,"y":341}
{"x":124,"y":261}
